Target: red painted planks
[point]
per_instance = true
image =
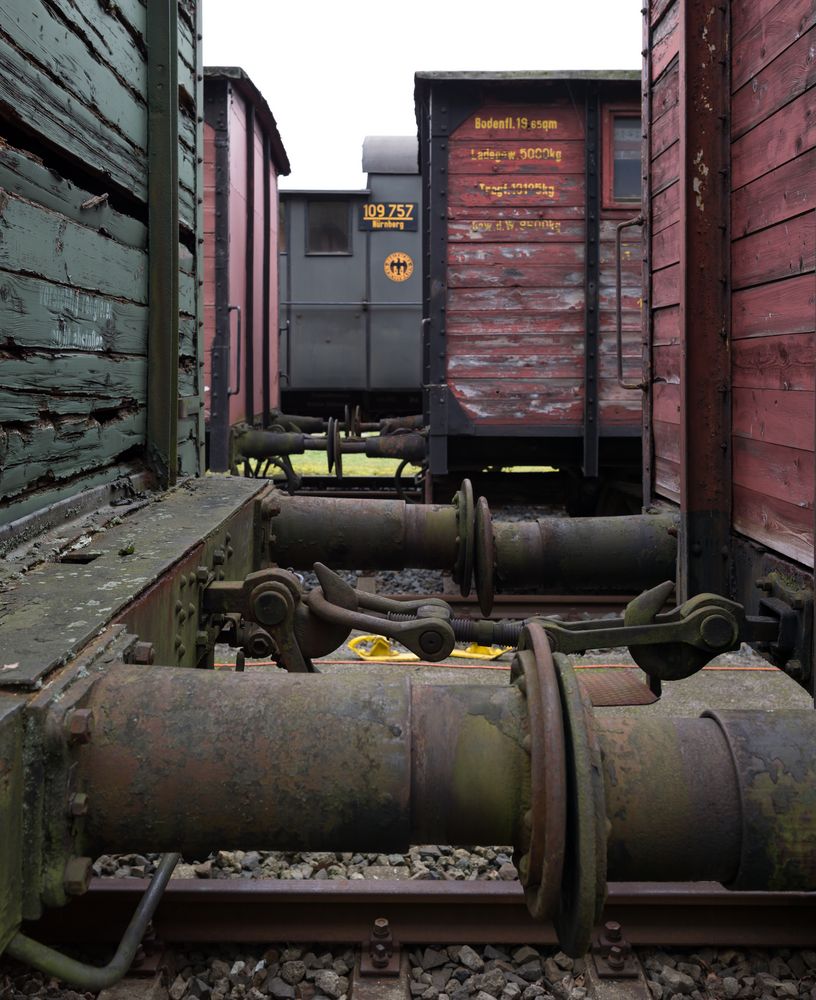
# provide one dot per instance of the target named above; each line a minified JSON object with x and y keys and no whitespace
{"x":746,"y":14}
{"x":779,"y":28}
{"x":505,"y":400}
{"x":791,"y":74}
{"x":468,"y":190}
{"x":667,"y":478}
{"x":666,"y":287}
{"x":665,"y":93}
{"x":780,"y":308}
{"x":782,"y":251}
{"x":666,"y":402}
{"x":774,"y":470}
{"x":666,"y":247}
{"x":520,"y":254}
{"x":665,"y":132}
{"x":546,"y":119}
{"x":785,"y":135}
{"x":774,"y":362}
{"x":514,"y":229}
{"x":521,"y":275}
{"x":666,"y":326}
{"x":783,"y":527}
{"x":479,"y":365}
{"x":501,"y":325}
{"x":666,"y":208}
{"x":658,"y":9}
{"x":514,"y":300}
{"x":666,"y":168}
{"x":773,"y":416}
{"x":665,"y":40}
{"x":782,"y":194}
{"x":666,"y":364}
{"x":667,"y":441}
{"x":506,"y":157}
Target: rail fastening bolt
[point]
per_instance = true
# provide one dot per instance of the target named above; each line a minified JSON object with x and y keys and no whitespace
{"x":612,"y":929}
{"x":616,"y":957}
{"x":381,"y":928}
{"x":77,"y":876}
{"x":79,"y":724}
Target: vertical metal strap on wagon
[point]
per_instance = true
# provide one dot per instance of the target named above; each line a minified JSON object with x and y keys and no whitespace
{"x":163,"y":239}
{"x":647,"y":324}
{"x":248,"y":331}
{"x":705,"y":364}
{"x":216,"y":110}
{"x":436,"y":199}
{"x":267,"y":249}
{"x":591,"y":280}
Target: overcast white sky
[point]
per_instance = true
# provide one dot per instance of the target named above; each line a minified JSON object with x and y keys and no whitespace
{"x":333,"y":73}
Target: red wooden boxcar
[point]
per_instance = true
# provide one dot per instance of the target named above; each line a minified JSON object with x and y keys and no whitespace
{"x":243,"y":157}
{"x":730,"y":144}
{"x":525,"y":178}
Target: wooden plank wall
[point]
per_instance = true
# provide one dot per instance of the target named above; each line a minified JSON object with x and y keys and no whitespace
{"x":773,"y":271}
{"x":73,"y":261}
{"x":664,"y":250}
{"x":516,"y":263}
{"x":516,"y":252}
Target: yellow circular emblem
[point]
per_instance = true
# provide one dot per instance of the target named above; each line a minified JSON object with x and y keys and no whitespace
{"x":398,"y":266}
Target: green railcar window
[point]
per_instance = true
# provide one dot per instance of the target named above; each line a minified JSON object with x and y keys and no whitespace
{"x":328,"y":227}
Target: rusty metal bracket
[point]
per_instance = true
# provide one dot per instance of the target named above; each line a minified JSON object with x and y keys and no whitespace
{"x":269,"y":598}
{"x":381,"y":955}
{"x":613,"y":955}
{"x":428,"y":634}
{"x":792,"y":607}
{"x":667,"y":646}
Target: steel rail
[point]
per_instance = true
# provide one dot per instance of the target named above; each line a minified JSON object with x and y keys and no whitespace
{"x":424,"y":912}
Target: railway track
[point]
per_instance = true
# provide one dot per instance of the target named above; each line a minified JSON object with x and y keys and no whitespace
{"x":422,"y":912}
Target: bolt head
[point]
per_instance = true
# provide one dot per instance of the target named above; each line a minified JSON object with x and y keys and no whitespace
{"x":612,"y":930}
{"x":79,"y":725}
{"x":430,"y":642}
{"x":77,"y":876}
{"x":144,"y":652}
{"x":78,"y":804}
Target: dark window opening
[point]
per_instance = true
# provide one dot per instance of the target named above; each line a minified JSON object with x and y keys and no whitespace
{"x":626,"y":158}
{"x":282,"y":244}
{"x":328,"y":227}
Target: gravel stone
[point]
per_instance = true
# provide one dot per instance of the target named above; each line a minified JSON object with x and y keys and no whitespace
{"x":293,"y":972}
{"x":677,"y":982}
{"x":468,"y":957}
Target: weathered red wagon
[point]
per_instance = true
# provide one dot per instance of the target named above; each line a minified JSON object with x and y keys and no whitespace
{"x":243,"y":157}
{"x":730,"y":239}
{"x":525,"y":178}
